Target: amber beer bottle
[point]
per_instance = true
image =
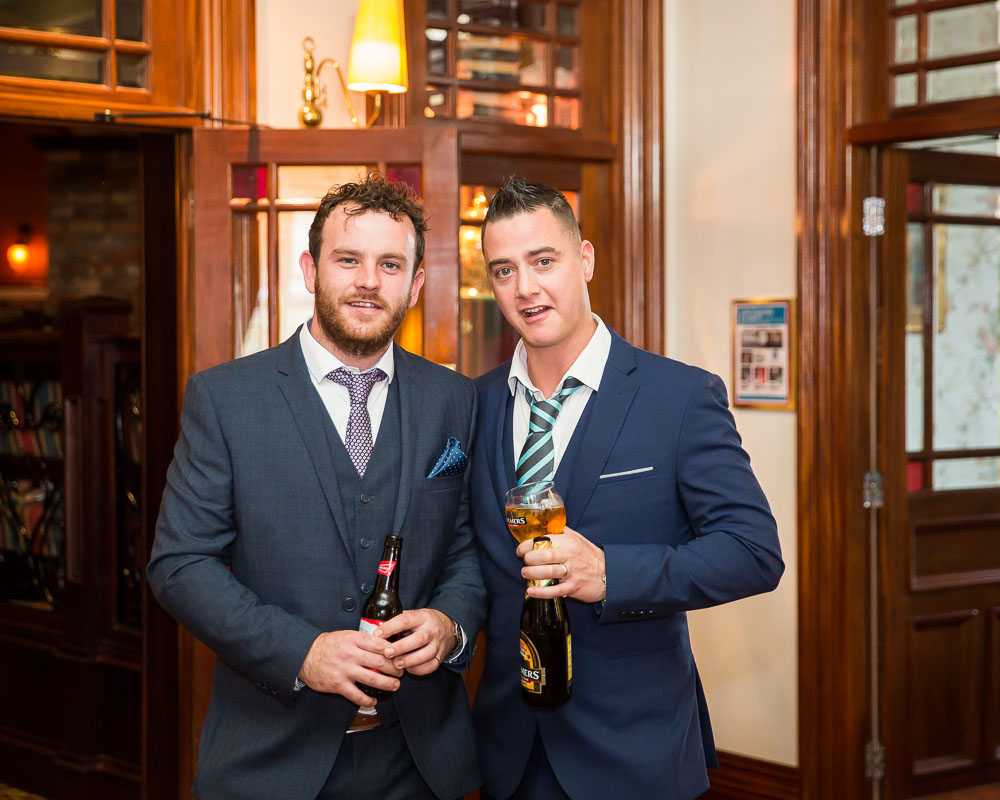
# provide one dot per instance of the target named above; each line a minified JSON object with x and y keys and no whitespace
{"x":546,"y":646}
{"x":383,"y":603}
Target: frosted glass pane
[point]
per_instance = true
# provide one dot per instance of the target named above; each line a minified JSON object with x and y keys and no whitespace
{"x":295,"y":302}
{"x":966,"y":473}
{"x":250,"y":283}
{"x":914,"y":392}
{"x":970,"y":201}
{"x":966,"y":335}
{"x":309,"y":184}
{"x":905,"y":90}
{"x":906,"y":39}
{"x":960,"y":83}
{"x":958,"y":31}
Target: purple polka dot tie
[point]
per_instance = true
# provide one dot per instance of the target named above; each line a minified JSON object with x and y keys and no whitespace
{"x":359,"y":424}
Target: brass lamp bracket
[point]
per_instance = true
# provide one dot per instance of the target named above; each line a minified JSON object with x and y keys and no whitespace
{"x":314,"y":92}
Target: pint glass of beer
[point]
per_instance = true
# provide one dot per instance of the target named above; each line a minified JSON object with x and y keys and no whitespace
{"x":534,"y":509}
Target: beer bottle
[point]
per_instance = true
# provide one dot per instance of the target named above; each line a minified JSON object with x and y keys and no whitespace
{"x":546,"y":646}
{"x":383,"y":603}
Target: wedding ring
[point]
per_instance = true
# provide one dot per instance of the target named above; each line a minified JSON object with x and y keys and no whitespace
{"x":565,"y":567}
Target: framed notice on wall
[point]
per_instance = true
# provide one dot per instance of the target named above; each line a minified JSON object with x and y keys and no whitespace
{"x":763,"y":360}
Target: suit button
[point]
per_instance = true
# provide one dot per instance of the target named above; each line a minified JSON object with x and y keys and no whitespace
{"x":365,"y":543}
{"x":624,"y":615}
{"x":350,"y":604}
{"x":365,"y":588}
{"x":365,"y":498}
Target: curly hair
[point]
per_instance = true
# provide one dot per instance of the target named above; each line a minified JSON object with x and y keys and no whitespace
{"x":518,"y":196}
{"x":374,"y":193}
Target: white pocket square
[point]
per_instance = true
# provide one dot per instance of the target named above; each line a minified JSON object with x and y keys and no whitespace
{"x":626,"y":472}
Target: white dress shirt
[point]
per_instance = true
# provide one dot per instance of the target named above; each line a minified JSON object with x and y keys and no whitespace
{"x":336,"y":398}
{"x":588,"y":369}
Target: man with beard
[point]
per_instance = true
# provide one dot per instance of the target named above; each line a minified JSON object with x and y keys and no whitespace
{"x":292,"y":466}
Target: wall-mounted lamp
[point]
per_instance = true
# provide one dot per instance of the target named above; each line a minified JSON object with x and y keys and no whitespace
{"x":17,"y":253}
{"x":378,"y":62}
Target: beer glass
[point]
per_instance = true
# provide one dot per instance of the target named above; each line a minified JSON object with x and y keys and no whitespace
{"x":534,"y":509}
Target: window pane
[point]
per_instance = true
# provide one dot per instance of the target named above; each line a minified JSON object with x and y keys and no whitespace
{"x":566,"y":20}
{"x":966,"y":332}
{"x":905,"y":90}
{"x":438,"y":102}
{"x":249,"y":182}
{"x":509,"y":13}
{"x":970,"y":201}
{"x":295,"y":302}
{"x":473,"y":201}
{"x":966,"y":473}
{"x":437,"y":51}
{"x":914,"y":392}
{"x":501,"y":58}
{"x":957,"y":31}
{"x":250,"y":283}
{"x":959,"y":83}
{"x":567,"y":68}
{"x":437,"y":9}
{"x":566,"y":111}
{"x":128,"y":20}
{"x":32,"y":61}
{"x":132,"y":71}
{"x":58,"y":16}
{"x":906,"y":39}
{"x":309,"y":184}
{"x":520,"y":108}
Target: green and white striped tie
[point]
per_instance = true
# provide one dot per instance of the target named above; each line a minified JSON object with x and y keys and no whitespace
{"x":538,"y":458}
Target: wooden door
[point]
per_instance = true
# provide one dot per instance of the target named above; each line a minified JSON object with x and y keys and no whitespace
{"x":940,"y":419}
{"x":254,"y":195}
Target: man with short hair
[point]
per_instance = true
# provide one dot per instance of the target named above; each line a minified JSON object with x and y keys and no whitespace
{"x":292,"y":467}
{"x":664,"y":516}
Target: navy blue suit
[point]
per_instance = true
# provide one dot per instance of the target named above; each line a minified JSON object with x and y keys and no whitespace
{"x":655,"y":475}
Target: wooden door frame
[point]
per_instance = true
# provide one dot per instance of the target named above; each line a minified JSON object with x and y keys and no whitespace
{"x":832,"y":422}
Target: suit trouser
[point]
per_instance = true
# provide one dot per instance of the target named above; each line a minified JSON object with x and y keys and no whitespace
{"x":375,"y":765}
{"x":539,"y":782}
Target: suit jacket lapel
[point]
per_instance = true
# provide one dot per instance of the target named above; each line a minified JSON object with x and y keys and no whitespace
{"x":411,"y":397}
{"x":314,"y":424}
{"x":499,"y":411}
{"x":612,"y":402}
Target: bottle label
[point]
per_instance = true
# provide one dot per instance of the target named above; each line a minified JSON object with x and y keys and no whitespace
{"x":386,"y":567}
{"x":532,"y":671}
{"x":569,"y":659}
{"x":369,"y":626}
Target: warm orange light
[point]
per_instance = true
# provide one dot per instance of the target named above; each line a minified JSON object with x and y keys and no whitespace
{"x":17,"y":257}
{"x":378,"y":52}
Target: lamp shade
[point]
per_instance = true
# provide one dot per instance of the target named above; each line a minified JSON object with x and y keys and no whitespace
{"x":378,"y":52}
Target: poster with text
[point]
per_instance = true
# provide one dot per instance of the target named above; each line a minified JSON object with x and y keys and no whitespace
{"x":763,"y":364}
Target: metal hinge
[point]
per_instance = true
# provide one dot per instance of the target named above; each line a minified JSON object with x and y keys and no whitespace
{"x":873,"y":216}
{"x":874,"y":761}
{"x":872,"y":489}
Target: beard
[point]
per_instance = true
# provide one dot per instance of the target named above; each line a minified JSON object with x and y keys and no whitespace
{"x":353,"y":339}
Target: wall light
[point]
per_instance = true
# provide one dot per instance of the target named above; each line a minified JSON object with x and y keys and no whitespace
{"x":378,"y":62}
{"x":17,"y":253}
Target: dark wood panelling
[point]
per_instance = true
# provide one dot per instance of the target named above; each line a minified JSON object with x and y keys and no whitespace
{"x":743,"y":778}
{"x":946,"y":655}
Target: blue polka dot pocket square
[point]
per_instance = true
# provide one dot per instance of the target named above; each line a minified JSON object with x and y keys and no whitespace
{"x":452,"y":460}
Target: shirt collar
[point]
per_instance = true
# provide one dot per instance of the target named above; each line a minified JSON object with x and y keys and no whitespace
{"x":588,"y":367}
{"x":321,"y":362}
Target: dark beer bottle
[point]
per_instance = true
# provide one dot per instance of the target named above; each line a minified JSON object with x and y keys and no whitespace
{"x":383,"y":603}
{"x":546,"y":646}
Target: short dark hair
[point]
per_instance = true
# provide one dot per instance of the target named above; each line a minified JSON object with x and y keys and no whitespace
{"x":518,"y":196}
{"x":374,"y":193}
